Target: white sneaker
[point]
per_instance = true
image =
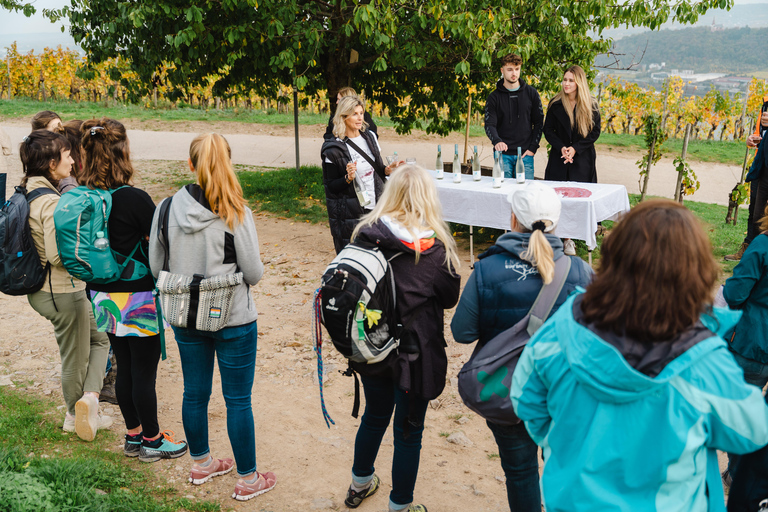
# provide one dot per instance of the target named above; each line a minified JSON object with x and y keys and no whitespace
{"x":88,"y":420}
{"x":569,"y":248}
{"x":69,"y":422}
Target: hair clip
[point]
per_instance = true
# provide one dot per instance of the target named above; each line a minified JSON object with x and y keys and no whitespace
{"x":25,"y":139}
{"x":93,"y":130}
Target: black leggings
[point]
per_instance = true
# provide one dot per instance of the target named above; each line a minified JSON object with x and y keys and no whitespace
{"x":137,"y":360}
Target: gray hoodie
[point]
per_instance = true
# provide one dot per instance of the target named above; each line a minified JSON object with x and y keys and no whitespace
{"x":201,"y":243}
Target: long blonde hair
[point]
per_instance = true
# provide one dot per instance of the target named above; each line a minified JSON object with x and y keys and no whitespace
{"x":345,"y":108}
{"x":585,"y":103}
{"x":211,"y":155}
{"x":410,"y":198}
{"x":540,"y":254}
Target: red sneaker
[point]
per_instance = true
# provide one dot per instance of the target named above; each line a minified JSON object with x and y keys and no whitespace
{"x":201,"y":474}
{"x":245,"y":491}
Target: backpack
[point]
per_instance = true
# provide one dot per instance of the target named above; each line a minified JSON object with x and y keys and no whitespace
{"x":485,"y":380}
{"x":356,"y":302}
{"x":20,"y":270}
{"x":82,"y":213}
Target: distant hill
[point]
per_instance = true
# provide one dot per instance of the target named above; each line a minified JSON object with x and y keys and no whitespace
{"x":735,"y":50}
{"x":37,"y":41}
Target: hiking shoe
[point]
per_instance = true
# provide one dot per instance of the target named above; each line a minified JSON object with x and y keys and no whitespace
{"x":201,"y":474}
{"x":569,"y":248}
{"x":132,"y":445}
{"x":107,"y":393}
{"x":738,"y":254}
{"x":165,"y":447}
{"x":355,"y":498}
{"x":245,"y":491}
{"x":411,"y":508}
{"x":88,"y":420}
{"x":601,"y":230}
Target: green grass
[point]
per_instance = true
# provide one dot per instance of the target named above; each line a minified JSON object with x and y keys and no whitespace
{"x":287,"y":193}
{"x":724,"y":152}
{"x":43,"y":469}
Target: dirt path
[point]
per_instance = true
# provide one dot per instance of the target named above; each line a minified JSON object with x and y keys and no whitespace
{"x":312,"y":462}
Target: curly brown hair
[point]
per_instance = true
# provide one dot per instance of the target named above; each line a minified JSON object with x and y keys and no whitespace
{"x":657,"y":274}
{"x":511,"y":58}
{"x":42,"y":119}
{"x":105,"y":154}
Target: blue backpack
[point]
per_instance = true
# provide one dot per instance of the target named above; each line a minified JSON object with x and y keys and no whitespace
{"x":80,"y":215}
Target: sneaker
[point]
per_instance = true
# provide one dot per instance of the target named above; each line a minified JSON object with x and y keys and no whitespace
{"x":69,"y":423}
{"x":167,"y":448}
{"x":738,"y":254}
{"x":88,"y":419}
{"x":245,"y":491}
{"x":569,"y":248}
{"x":201,"y":474}
{"x":355,"y":498}
{"x":132,"y":445}
{"x":411,"y":508}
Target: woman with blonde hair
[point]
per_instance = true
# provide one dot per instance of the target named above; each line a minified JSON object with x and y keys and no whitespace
{"x":502,"y":289}
{"x":125,"y":309}
{"x":571,"y":127}
{"x":352,"y":155}
{"x":210,"y":232}
{"x":343,"y":93}
{"x":407,"y":222}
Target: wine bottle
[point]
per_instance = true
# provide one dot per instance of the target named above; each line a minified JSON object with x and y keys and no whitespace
{"x":439,"y":163}
{"x":519,"y":168}
{"x":497,"y":172}
{"x":475,"y":166}
{"x":362,"y":193}
{"x":456,"y":165}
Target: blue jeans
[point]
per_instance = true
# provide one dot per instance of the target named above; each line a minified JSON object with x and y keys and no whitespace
{"x":235,"y":349}
{"x":382,"y":397}
{"x":755,"y":373}
{"x":519,"y":460}
{"x":508,"y":163}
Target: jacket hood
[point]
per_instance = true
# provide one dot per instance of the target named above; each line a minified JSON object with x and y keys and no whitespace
{"x":381,"y":235}
{"x":604,"y":372}
{"x":332,"y":144}
{"x":500,"y":85}
{"x":516,"y":243}
{"x":191,"y":209}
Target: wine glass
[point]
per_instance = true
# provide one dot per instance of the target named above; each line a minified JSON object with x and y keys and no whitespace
{"x":410,"y":161}
{"x":390,"y":159}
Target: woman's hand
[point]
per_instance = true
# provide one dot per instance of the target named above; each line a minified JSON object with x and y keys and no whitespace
{"x":391,"y":167}
{"x":351,"y":170}
{"x":567,"y":154}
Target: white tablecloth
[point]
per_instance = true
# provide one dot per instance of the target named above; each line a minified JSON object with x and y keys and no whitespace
{"x":477,"y":203}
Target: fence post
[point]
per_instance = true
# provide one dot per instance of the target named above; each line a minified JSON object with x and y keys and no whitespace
{"x":8,"y":61}
{"x":678,"y":189}
{"x":466,"y":133}
{"x":648,"y":169}
{"x":296,"y":123}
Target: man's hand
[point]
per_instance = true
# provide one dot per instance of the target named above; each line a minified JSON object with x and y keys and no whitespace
{"x":528,"y":153}
{"x":753,"y":140}
{"x":501,"y":146}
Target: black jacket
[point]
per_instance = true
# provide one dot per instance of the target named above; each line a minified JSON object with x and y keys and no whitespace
{"x":515,"y":118}
{"x":559,"y":134}
{"x":425,"y":289}
{"x":344,"y":209}
{"x":366,"y":117}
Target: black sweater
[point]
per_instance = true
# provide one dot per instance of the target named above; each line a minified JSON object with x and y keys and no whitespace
{"x":514,"y":117}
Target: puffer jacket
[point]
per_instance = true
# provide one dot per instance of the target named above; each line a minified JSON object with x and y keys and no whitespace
{"x":617,"y":439}
{"x":503,"y":287}
{"x":344,"y":209}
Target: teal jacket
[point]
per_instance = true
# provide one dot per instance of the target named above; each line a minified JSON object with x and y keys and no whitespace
{"x":747,"y":290}
{"x":617,"y":440}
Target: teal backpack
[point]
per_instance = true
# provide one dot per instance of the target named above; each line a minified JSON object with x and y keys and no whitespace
{"x":79,"y":216}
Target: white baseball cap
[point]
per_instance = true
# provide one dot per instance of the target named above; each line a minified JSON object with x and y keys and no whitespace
{"x":535,"y":202}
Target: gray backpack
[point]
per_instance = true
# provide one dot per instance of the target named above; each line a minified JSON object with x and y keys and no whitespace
{"x":486,"y":379}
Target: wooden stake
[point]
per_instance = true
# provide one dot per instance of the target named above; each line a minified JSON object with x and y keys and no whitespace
{"x":648,"y":170}
{"x":678,"y":189}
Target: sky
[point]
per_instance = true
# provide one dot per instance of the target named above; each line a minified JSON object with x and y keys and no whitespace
{"x":17,"y":23}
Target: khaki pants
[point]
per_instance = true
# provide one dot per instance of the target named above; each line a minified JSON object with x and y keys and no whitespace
{"x":83,"y":349}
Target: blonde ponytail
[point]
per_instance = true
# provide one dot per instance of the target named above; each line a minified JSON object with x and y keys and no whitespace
{"x":541,"y":256}
{"x":211,"y":157}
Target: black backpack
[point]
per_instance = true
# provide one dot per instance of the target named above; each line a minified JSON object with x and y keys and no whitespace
{"x":20,"y":270}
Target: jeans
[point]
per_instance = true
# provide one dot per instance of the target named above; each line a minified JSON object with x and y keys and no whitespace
{"x":519,"y":460}
{"x":137,"y":359}
{"x":382,"y":397}
{"x":755,"y":373}
{"x":508,"y":163}
{"x":235,"y":349}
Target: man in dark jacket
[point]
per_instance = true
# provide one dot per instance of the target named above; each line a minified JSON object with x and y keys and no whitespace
{"x":758,"y":196}
{"x":514,"y":117}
